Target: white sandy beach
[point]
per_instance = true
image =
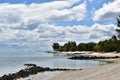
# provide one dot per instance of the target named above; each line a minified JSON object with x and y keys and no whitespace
{"x":104,"y":72}
{"x":109,"y":54}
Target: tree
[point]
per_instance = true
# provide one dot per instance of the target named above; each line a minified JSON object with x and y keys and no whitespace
{"x":81,"y":47}
{"x":73,"y":46}
{"x":70,"y":46}
{"x":114,"y":38}
{"x":90,"y":46}
{"x":98,"y":48}
{"x":118,"y":25}
{"x":108,"y":45}
{"x":56,"y":46}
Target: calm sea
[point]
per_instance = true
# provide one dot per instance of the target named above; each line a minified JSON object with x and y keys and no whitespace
{"x":11,"y":62}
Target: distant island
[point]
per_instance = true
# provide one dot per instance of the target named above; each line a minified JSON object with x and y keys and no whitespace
{"x":108,"y":45}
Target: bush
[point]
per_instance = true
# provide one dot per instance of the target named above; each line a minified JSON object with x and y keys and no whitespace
{"x":118,"y":50}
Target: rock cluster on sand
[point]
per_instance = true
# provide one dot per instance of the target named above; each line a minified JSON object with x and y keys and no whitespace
{"x":92,"y":57}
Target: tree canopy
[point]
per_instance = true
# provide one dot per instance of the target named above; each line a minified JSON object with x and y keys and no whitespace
{"x":108,"y":45}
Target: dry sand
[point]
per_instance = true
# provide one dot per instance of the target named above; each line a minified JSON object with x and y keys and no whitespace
{"x":105,"y":72}
{"x":109,"y":54}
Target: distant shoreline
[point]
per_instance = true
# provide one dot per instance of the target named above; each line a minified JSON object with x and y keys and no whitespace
{"x":91,"y":53}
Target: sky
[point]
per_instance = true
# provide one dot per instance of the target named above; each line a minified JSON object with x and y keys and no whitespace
{"x":36,"y":24}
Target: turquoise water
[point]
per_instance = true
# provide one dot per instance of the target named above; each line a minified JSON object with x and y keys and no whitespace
{"x":13,"y":61}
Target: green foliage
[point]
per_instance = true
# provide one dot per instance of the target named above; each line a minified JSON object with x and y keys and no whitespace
{"x":56,"y":46}
{"x":70,"y":46}
{"x":86,"y":46}
{"x":118,"y":24}
{"x":112,"y":44}
{"x":118,"y":49}
{"x":108,"y":45}
{"x":98,"y":48}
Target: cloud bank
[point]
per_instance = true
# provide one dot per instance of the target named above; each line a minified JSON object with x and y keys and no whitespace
{"x":33,"y":24}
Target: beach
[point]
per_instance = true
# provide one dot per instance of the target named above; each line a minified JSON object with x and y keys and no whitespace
{"x":41,"y":59}
{"x":91,"y":53}
{"x":110,"y":71}
{"x":104,"y":72}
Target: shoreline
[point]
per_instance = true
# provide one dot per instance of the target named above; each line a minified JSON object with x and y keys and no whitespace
{"x":84,"y":73}
{"x":101,"y":72}
{"x":104,"y":72}
{"x":31,"y":69}
{"x":109,"y":71}
{"x":91,"y":53}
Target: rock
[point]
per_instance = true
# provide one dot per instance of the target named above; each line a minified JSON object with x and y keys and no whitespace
{"x":30,"y":70}
{"x":91,"y":57}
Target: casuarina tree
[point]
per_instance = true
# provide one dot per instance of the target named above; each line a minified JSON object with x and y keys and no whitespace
{"x":118,"y":25}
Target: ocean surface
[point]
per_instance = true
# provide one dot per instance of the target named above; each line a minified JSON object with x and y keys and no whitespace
{"x":11,"y":62}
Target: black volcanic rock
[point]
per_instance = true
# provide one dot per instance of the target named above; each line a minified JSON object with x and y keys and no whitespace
{"x":91,"y":57}
{"x":30,"y":70}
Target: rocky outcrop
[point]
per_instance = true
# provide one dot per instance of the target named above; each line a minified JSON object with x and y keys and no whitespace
{"x":30,"y":69}
{"x":91,"y":57}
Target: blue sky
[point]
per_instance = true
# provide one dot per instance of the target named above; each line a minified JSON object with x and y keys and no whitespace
{"x":91,"y":5}
{"x":33,"y":23}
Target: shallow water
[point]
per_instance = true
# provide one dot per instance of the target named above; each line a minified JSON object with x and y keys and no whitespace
{"x":13,"y":61}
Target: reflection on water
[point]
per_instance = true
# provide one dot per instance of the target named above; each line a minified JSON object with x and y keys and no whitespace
{"x":12,"y":62}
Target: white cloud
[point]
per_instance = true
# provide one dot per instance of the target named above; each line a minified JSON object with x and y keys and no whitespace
{"x":109,"y":11}
{"x":19,"y":22}
{"x":75,"y":13}
{"x":78,"y":32}
{"x":28,"y":25}
{"x":44,"y":12}
{"x":102,"y":32}
{"x":47,"y":33}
